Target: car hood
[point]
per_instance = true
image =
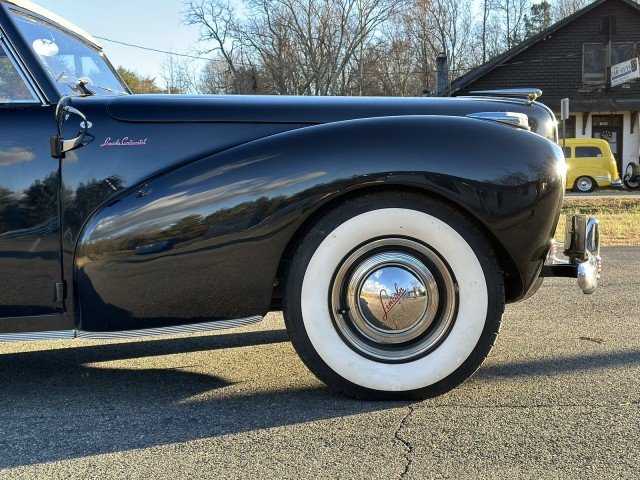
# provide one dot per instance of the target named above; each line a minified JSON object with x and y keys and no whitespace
{"x":299,"y":110}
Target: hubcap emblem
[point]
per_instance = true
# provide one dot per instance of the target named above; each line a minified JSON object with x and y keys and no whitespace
{"x":392,"y":299}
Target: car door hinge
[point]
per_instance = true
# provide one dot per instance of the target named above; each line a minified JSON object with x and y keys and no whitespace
{"x":59,"y":290}
{"x":55,"y":142}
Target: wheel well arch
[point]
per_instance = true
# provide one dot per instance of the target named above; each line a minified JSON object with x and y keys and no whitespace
{"x":590,"y":177}
{"x":512,"y":281}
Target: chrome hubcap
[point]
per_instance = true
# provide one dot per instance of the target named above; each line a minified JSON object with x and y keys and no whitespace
{"x":584,"y":184}
{"x":393,"y":299}
{"x":629,"y":176}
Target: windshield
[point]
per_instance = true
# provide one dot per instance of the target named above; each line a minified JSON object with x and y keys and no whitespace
{"x":75,"y":66}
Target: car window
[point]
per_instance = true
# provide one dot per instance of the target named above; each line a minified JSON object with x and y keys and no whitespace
{"x":567,"y":152}
{"x":13,"y":88}
{"x":582,"y":152}
{"x":68,"y":59}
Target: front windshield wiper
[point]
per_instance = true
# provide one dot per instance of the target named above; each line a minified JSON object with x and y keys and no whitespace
{"x":76,"y":84}
{"x":111,"y":90}
{"x":81,"y":85}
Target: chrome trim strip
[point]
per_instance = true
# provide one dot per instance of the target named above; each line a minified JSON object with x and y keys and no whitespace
{"x":515,"y":119}
{"x":602,"y":178}
{"x":173,"y":330}
{"x":529,"y":93}
{"x":31,"y":336}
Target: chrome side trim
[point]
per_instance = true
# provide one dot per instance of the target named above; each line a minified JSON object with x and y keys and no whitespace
{"x":529,"y":93}
{"x":174,"y":330}
{"x":31,"y":336}
{"x":515,"y":119}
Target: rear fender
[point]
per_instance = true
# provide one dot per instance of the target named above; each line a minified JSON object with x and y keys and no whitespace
{"x":592,"y":172}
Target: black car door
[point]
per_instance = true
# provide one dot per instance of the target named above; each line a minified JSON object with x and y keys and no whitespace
{"x":30,"y":258}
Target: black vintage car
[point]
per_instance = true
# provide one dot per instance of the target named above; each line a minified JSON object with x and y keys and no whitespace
{"x":390,"y":231}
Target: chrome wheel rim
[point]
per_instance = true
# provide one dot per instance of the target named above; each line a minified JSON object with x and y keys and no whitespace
{"x":393,"y":300}
{"x":585,"y":184}
{"x":629,"y":176}
{"x":630,"y":171}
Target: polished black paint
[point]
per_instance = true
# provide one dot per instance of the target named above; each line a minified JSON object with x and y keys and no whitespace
{"x":181,"y":209}
{"x":29,"y":226}
{"x":229,"y":217}
{"x":311,"y":110}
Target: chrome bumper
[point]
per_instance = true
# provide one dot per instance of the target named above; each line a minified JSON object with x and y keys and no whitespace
{"x":579,"y":255}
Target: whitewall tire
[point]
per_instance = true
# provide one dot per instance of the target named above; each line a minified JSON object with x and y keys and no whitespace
{"x":393,"y":296}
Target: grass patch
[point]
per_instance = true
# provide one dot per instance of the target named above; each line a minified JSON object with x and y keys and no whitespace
{"x":619,"y":218}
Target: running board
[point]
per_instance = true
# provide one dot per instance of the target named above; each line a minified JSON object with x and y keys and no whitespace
{"x":123,"y":334}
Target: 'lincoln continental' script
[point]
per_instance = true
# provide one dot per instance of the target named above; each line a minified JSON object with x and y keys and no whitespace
{"x":123,"y":142}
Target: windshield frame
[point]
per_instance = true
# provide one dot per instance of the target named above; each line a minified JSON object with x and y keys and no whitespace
{"x":94,"y":52}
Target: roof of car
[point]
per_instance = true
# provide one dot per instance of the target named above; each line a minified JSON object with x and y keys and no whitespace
{"x":586,"y":141}
{"x":43,"y":12}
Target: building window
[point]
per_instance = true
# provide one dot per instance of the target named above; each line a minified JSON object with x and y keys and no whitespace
{"x":596,"y":57}
{"x":569,"y":126}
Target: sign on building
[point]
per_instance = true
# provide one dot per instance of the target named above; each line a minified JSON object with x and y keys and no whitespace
{"x":624,"y":72}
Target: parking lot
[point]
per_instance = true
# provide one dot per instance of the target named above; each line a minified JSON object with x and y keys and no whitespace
{"x":559,"y":397}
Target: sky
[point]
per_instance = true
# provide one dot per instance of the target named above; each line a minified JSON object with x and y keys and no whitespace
{"x":148,"y":23}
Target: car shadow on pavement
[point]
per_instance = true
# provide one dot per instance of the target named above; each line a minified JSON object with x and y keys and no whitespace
{"x":56,"y":406}
{"x":559,"y":365}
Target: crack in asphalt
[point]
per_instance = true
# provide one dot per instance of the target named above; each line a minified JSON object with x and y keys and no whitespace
{"x":407,"y":445}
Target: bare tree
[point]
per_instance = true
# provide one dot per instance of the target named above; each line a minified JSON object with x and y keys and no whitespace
{"x":220,"y":34}
{"x":564,"y":8}
{"x":394,"y":68}
{"x":304,"y":47}
{"x":488,"y":7}
{"x":450,"y":23}
{"x":347,"y":47}
{"x":513,"y":16}
{"x":179,"y":75}
{"x":418,"y":24}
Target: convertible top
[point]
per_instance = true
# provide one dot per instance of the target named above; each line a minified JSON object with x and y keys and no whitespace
{"x":43,"y":12}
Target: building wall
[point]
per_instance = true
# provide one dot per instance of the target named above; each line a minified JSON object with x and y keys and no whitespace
{"x":554,"y":64}
{"x":630,"y":141}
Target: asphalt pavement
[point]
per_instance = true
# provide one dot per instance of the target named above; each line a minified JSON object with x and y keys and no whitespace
{"x":558,"y":397}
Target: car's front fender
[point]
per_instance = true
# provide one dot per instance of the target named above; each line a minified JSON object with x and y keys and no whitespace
{"x":224,"y":221}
